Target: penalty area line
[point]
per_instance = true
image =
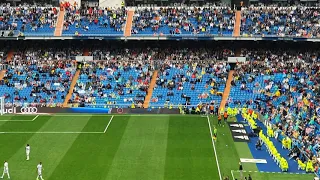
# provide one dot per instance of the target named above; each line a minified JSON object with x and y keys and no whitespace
{"x":105,"y":130}
{"x":52,"y":132}
{"x":35,"y":117}
{"x":232,"y":175}
{"x":19,"y":120}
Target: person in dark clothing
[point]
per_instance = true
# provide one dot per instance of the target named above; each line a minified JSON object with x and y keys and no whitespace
{"x":258,"y":145}
{"x":241,"y":170}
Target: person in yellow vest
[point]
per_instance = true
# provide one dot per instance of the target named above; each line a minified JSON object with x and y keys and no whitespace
{"x":171,"y":106}
{"x":197,"y":110}
{"x":284,"y":164}
{"x":122,"y":4}
{"x":180,"y":109}
{"x":270,"y":132}
{"x":133,"y":106}
{"x":289,"y":143}
{"x":301,"y":165}
{"x":309,"y":167}
{"x":285,"y":143}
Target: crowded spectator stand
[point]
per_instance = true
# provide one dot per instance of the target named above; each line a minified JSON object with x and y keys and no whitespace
{"x":284,"y":88}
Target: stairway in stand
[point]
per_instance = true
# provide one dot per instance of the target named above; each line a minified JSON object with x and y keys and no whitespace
{"x":128,"y":26}
{"x":150,"y":89}
{"x":73,"y":82}
{"x":59,"y":25}
{"x":237,"y":24}
{"x":226,"y":92}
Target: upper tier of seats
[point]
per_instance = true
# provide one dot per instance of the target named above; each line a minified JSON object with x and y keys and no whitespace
{"x":281,"y":21}
{"x":94,"y":21}
{"x":33,"y":21}
{"x":262,"y":21}
{"x":183,"y":21}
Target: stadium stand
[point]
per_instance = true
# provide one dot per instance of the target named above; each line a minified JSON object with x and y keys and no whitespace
{"x":35,"y":21}
{"x":283,"y":86}
{"x":280,"y":21}
{"x":279,"y":83}
{"x":182,"y":21}
{"x":123,"y":76}
{"x":94,"y":21}
{"x":38,"y":75}
{"x":189,"y":82}
{"x":112,"y":82}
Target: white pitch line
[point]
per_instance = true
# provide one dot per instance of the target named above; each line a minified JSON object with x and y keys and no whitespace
{"x":214,"y":147}
{"x":232,"y":175}
{"x":19,"y":120}
{"x":105,"y":130}
{"x":35,"y":117}
{"x":5,"y":120}
{"x":51,"y":132}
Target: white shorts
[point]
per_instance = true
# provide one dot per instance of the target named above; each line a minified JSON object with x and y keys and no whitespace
{"x":28,"y":152}
{"x":39,"y":173}
{"x":6,"y":171}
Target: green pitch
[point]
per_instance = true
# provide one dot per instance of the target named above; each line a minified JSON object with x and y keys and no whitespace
{"x":106,"y":147}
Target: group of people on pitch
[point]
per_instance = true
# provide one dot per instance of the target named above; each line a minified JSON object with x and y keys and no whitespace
{"x":39,"y":166}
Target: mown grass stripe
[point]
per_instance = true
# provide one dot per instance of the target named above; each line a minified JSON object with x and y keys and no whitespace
{"x":47,"y":148}
{"x":90,"y":155}
{"x":11,"y":143}
{"x":189,"y":150}
{"x":225,"y":147}
{"x":142,"y":150}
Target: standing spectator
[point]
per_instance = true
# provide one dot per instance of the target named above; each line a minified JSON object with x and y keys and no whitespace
{"x":225,"y":117}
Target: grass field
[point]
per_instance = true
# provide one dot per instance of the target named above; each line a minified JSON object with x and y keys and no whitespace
{"x":106,"y":147}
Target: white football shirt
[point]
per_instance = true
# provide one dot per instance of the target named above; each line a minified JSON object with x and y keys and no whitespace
{"x":6,"y":166}
{"x":39,"y":167}
{"x":27,"y":148}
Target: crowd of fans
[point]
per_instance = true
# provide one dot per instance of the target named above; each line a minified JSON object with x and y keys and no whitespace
{"x":297,"y":21}
{"x":38,"y":76}
{"x":132,"y":69}
{"x":94,"y":17}
{"x":170,"y":53}
{"x":113,"y":82}
{"x":283,"y":85}
{"x":217,"y":20}
{"x":191,"y":80}
{"x":27,"y":18}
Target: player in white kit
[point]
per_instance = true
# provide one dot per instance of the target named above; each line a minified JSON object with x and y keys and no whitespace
{"x":39,"y":169}
{"x":5,"y":169}
{"x":28,"y":151}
